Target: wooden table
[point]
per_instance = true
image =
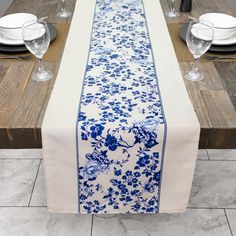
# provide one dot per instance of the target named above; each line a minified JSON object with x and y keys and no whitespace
{"x":23,"y":101}
{"x":214,"y":99}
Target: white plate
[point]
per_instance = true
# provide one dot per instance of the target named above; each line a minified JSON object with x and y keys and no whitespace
{"x":225,"y":27}
{"x":220,"y":20}
{"x":10,"y":26}
{"x":16,"y":20}
{"x":229,"y":41}
{"x":7,"y":41}
{"x":17,"y":42}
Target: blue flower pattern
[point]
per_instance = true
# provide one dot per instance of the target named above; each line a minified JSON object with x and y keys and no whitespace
{"x":121,"y":120}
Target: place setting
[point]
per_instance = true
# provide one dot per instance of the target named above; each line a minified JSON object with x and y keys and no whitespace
{"x":22,"y":32}
{"x":11,"y":40}
{"x":224,"y":40}
{"x":213,"y":32}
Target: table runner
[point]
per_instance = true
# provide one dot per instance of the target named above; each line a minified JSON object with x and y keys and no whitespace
{"x":110,"y":146}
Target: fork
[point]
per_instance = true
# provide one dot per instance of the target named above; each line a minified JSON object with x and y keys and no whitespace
{"x":19,"y":57}
{"x":218,"y":57}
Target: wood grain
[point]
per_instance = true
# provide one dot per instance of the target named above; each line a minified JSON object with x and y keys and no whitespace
{"x":42,"y":8}
{"x":220,"y":138}
{"x":200,"y":7}
{"x":29,"y":107}
{"x":196,"y":99}
{"x":220,"y":108}
{"x":3,"y":69}
{"x":227,"y":72}
{"x":180,"y":47}
{"x":54,"y":52}
{"x":13,"y":84}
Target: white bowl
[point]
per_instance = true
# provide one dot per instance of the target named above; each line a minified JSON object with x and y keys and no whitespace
{"x":10,"y":25}
{"x":225,"y":25}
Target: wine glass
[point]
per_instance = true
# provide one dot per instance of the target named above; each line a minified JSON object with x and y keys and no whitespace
{"x":63,"y":13}
{"x":36,"y":37}
{"x":199,"y":38}
{"x":172,"y":13}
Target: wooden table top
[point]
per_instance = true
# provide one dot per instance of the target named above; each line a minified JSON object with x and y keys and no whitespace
{"x":23,"y":101}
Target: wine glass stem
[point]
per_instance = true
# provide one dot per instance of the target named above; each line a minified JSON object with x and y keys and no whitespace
{"x":62,"y":5}
{"x":40,"y":67}
{"x":172,"y":5}
{"x":195,"y":65}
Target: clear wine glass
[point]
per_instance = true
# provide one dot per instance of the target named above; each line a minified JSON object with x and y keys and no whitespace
{"x":63,"y":12}
{"x":172,"y":13}
{"x":36,"y":37}
{"x":199,"y":38}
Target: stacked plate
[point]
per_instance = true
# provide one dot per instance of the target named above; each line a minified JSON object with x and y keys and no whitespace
{"x":225,"y":31}
{"x":10,"y":31}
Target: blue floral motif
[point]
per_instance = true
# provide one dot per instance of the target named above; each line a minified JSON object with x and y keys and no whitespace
{"x":111,"y":142}
{"x":96,"y":130}
{"x":91,"y":170}
{"x":121,"y":120}
{"x":143,"y":160}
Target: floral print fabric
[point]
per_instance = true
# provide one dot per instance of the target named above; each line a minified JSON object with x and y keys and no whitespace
{"x":121,"y":125}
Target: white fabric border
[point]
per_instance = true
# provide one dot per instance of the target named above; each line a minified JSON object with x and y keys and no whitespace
{"x":182,"y":125}
{"x":59,"y":125}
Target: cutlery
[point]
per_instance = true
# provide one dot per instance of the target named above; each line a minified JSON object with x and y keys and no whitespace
{"x":19,"y":58}
{"x":218,"y":57}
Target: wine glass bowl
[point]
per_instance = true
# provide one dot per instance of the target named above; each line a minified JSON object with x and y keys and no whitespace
{"x":63,"y":13}
{"x":172,"y":13}
{"x":36,"y":37}
{"x":199,"y":38}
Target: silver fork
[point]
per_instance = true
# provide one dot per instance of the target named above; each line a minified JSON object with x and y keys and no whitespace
{"x":218,"y":57}
{"x":18,"y":57}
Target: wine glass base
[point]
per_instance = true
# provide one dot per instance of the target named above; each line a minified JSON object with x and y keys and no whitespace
{"x":172,"y":14}
{"x":194,"y":75}
{"x":42,"y":75}
{"x":64,"y":14}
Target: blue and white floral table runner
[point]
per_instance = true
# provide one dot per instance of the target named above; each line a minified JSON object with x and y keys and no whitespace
{"x":119,"y":134}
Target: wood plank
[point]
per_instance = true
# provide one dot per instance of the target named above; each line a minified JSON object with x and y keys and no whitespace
{"x":181,"y":49}
{"x":29,"y":124}
{"x":13,"y":84}
{"x":30,"y":105}
{"x":42,"y":8}
{"x":204,"y":138}
{"x":56,"y":48}
{"x":211,"y":79}
{"x":20,"y":138}
{"x":51,"y":8}
{"x":5,"y":118}
{"x":4,"y":138}
{"x":196,"y":99}
{"x":31,"y":6}
{"x":220,"y":108}
{"x":227,"y":72}
{"x":183,"y":17}
{"x":222,"y":138}
{"x":200,"y":7}
{"x":3,"y":69}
